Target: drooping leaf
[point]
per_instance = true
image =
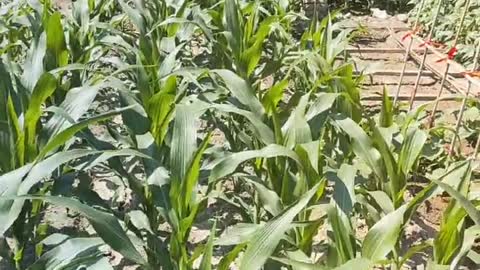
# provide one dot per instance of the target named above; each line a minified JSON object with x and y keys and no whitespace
{"x":229,"y":164}
{"x":68,"y":133}
{"x":269,"y":199}
{"x":241,"y":90}
{"x":105,"y":224}
{"x":70,"y":253}
{"x":237,"y":234}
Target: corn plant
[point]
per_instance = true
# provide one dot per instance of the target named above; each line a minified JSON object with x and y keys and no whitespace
{"x":222,"y":103}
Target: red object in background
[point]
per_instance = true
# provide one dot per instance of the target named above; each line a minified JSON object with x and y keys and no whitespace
{"x":411,"y":33}
{"x":450,"y":55}
{"x":407,"y":35}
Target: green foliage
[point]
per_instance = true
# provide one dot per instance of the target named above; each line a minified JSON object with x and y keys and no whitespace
{"x":447,"y":28}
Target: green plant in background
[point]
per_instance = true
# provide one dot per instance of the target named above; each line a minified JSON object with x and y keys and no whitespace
{"x":446,"y":30}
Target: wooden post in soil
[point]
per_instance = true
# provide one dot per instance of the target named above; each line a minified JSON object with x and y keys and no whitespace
{"x":407,"y":52}
{"x":450,"y":56}
{"x":464,"y":105}
{"x":425,"y":53}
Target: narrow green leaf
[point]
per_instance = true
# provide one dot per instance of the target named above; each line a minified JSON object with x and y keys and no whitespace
{"x":273,"y":96}
{"x":184,"y":141}
{"x":323,"y":102}
{"x":296,"y":130}
{"x":241,"y":90}
{"x":105,"y":224}
{"x":386,"y":114}
{"x":69,"y":253}
{"x":470,"y":236}
{"x":229,"y":164}
{"x":382,"y":237}
{"x":68,"y":133}
{"x":472,"y":211}
{"x":263,"y":131}
{"x":44,"y":88}
{"x":267,"y":238}
{"x":234,"y":25}
{"x":56,"y":40}
{"x":34,"y":62}
{"x":206,"y":263}
{"x":411,"y":149}
{"x":362,"y":145}
{"x":269,"y":198}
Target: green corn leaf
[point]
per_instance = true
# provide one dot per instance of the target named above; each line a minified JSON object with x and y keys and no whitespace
{"x":44,"y":88}
{"x":414,"y":250}
{"x":386,"y":114}
{"x":269,"y":198}
{"x":472,"y":211}
{"x":227,"y":260}
{"x":237,"y":234}
{"x":264,"y":132}
{"x":135,"y":16}
{"x":184,"y":141}
{"x":362,"y":145}
{"x":357,"y":264}
{"x":469,"y":238}
{"x":234,"y":26}
{"x":11,"y":184}
{"x":296,"y":130}
{"x":105,"y":224}
{"x":299,"y":265}
{"x":265,"y":240}
{"x":241,"y":90}
{"x":273,"y":96}
{"x":56,"y":45}
{"x":449,"y":240}
{"x":160,"y":109}
{"x":382,"y":237}
{"x":411,"y":149}
{"x":251,"y":56}
{"x":339,"y":213}
{"x":396,"y":177}
{"x":451,"y":178}
{"x":191,"y":180}
{"x":34,"y":62}
{"x":76,"y":103}
{"x":206,"y":263}
{"x":323,"y":102}
{"x":168,"y":64}
{"x":68,"y":133}
{"x":72,"y":253}
{"x":229,"y":164}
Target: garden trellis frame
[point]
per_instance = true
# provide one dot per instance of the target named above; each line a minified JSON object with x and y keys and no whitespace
{"x":432,"y":62}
